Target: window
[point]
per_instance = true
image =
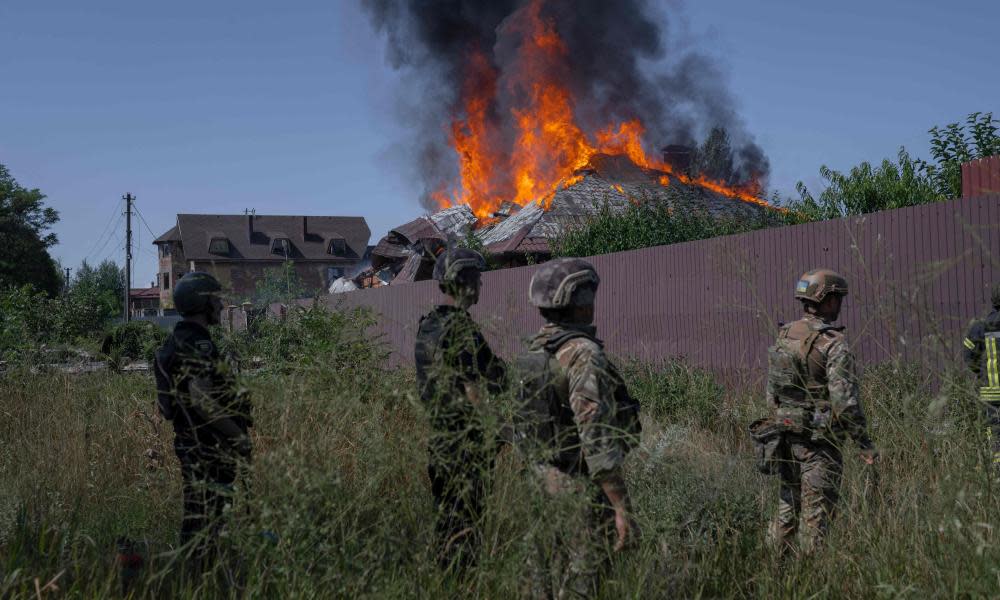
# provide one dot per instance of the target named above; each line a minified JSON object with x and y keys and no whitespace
{"x":165,"y":278}
{"x":165,"y":250}
{"x":219,"y":246}
{"x":281,"y":247}
{"x":333,"y":274}
{"x":338,"y":247}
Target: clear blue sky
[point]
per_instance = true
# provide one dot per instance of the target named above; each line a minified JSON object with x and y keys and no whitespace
{"x":288,"y":107}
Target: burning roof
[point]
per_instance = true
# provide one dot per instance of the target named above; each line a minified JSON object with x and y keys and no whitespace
{"x":515,"y":232}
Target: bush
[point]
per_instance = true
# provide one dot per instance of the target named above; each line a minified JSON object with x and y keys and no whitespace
{"x":645,"y":225}
{"x":29,"y":319}
{"x":135,"y":340}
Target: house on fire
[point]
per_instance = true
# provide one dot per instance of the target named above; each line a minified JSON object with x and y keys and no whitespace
{"x":516,"y":235}
{"x":238,"y":249}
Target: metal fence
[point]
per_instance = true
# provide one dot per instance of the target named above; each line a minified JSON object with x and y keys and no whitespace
{"x":917,"y":276}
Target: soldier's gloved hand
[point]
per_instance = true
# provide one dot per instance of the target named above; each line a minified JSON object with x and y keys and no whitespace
{"x":242,"y":445}
{"x":870,"y":454}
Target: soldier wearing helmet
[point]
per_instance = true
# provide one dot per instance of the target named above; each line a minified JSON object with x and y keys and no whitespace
{"x":980,"y":351}
{"x":197,"y":392}
{"x":812,"y":389}
{"x":578,"y":421}
{"x":456,"y":372}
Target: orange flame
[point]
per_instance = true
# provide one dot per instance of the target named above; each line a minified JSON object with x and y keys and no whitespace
{"x":548,"y":146}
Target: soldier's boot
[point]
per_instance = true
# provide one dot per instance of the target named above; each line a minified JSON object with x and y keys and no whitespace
{"x":821,"y":475}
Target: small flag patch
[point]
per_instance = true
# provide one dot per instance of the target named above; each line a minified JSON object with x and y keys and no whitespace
{"x":802,"y":286}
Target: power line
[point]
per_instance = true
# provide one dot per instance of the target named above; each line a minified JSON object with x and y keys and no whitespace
{"x":108,"y":229}
{"x":143,"y":219}
{"x":108,"y":239}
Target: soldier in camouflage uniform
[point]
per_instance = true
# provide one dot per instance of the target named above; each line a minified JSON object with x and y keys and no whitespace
{"x":813,"y":389}
{"x":456,"y":370}
{"x":981,"y":346}
{"x":578,"y":425}
{"x":198,"y":393}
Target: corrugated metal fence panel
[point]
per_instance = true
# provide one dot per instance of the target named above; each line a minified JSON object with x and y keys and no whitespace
{"x":981,"y":177}
{"x":917,"y":274}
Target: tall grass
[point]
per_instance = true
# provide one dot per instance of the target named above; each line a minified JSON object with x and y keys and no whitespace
{"x":339,"y":478}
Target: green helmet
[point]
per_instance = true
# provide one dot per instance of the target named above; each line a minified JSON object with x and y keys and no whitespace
{"x":192,"y":294}
{"x":818,"y":284}
{"x":562,"y":283}
{"x":453,"y":262}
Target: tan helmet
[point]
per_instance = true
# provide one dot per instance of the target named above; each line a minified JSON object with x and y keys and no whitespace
{"x":454,"y":261}
{"x":819,"y":283}
{"x":562,"y":283}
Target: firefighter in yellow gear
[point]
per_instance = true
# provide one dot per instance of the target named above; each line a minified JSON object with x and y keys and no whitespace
{"x":981,"y":351}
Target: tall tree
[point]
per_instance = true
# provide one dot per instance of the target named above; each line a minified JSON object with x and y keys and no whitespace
{"x":906,"y":181}
{"x":24,"y":228}
{"x":102,"y":287}
{"x":714,"y":158}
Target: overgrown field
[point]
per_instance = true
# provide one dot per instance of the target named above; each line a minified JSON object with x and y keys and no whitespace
{"x":339,"y":479}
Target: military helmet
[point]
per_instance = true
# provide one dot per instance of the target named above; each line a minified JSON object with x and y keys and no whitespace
{"x":819,"y":283}
{"x":454,"y":261}
{"x":562,"y":283}
{"x":193,"y":291}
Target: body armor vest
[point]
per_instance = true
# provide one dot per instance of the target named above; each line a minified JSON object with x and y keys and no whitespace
{"x":546,"y":423}
{"x":797,"y":364}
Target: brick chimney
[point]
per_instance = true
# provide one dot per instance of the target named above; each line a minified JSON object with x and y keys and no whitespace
{"x":305,"y":227}
{"x":678,"y":156}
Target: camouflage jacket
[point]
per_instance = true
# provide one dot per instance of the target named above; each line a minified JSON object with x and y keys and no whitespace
{"x":451,"y":353}
{"x":827,"y":381}
{"x":587,"y":436}
{"x":197,"y":390}
{"x":980,"y":349}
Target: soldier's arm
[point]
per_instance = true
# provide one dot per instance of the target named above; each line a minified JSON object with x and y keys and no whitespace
{"x":973,"y":345}
{"x":205,"y":404}
{"x":845,"y":393}
{"x":585,"y":367}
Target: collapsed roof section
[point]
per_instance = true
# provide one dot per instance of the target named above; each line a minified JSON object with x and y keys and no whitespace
{"x":516,"y":233}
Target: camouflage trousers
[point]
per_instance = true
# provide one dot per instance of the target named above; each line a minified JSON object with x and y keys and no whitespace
{"x":810,"y":474}
{"x":571,"y":547}
{"x":991,"y":414}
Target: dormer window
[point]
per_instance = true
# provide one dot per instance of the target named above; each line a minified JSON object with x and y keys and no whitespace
{"x":219,"y":245}
{"x":281,"y":247}
{"x":338,"y":247}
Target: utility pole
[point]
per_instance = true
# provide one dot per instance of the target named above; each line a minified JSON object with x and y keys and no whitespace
{"x":128,"y":252}
{"x":66,"y":281}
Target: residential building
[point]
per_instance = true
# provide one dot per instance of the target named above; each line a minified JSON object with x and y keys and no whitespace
{"x":239,"y":249}
{"x":144,"y":302}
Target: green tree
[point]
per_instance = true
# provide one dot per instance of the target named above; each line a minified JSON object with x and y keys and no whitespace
{"x":866,"y":189}
{"x":907,"y":181}
{"x":714,"y":159}
{"x":955,"y":144}
{"x":24,"y":228}
{"x":281,"y":284}
{"x":103,"y":287}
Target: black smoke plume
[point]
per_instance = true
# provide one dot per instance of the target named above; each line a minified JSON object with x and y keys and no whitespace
{"x":622,"y":67}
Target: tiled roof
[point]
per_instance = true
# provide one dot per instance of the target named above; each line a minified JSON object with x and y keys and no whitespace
{"x":151,"y":292}
{"x":250,"y":237}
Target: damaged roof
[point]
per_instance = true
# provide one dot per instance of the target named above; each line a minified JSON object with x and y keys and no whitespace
{"x":612,"y":181}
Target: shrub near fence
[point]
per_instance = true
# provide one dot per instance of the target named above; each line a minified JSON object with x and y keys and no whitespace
{"x":917,"y":274}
